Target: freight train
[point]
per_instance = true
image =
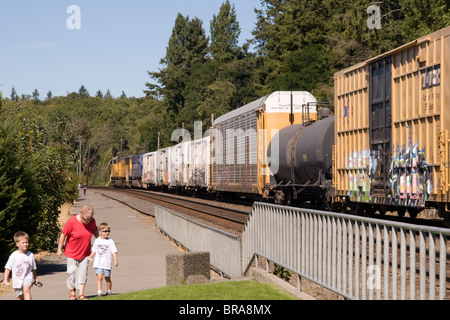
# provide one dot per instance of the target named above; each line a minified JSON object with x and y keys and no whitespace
{"x":385,"y":147}
{"x":231,"y":156}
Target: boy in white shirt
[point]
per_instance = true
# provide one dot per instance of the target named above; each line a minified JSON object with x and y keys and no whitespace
{"x":104,"y":250}
{"x":22,"y":266}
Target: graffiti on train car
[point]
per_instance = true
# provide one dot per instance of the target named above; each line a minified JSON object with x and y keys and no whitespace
{"x":411,"y":180}
{"x":360,"y":166}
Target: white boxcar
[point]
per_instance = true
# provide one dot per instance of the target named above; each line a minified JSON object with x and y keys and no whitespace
{"x":149,"y":171}
{"x":199,"y":166}
{"x":171,"y":166}
{"x":163,"y":174}
{"x":184,"y":163}
{"x":179,"y":164}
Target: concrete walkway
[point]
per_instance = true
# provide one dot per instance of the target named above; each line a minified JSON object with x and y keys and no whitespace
{"x":142,"y":254}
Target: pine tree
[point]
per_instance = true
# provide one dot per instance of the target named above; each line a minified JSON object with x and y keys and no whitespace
{"x":35,"y":94}
{"x":14,"y":96}
{"x":232,"y":82}
{"x":225,"y":33}
{"x":83,"y":92}
{"x":187,"y":45}
{"x":108,"y":94}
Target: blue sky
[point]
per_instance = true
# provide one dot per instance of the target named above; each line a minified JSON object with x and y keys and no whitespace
{"x":117,"y":43}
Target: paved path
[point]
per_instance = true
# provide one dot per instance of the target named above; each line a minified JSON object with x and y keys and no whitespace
{"x":142,"y":254}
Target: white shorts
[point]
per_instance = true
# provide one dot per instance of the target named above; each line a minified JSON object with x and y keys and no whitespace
{"x":75,"y":267}
{"x":27,"y":282}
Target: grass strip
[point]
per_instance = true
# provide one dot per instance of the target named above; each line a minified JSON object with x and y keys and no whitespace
{"x":227,"y":290}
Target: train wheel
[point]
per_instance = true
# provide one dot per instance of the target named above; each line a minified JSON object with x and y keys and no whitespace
{"x":401,"y":212}
{"x":279,"y":197}
{"x":413,"y":212}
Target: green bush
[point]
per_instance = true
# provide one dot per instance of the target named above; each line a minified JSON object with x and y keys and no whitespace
{"x":35,"y":180}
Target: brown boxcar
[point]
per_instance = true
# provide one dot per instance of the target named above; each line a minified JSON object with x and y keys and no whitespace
{"x":392,"y":128}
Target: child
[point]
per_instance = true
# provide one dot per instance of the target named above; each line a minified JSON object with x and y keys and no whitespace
{"x":104,"y":249}
{"x":22,"y":266}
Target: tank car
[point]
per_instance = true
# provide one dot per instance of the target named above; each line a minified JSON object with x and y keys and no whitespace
{"x":304,"y":170}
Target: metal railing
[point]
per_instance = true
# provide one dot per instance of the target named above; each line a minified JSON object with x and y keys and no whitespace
{"x":356,"y":257}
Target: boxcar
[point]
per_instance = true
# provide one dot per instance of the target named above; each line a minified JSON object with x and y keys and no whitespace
{"x":171,"y":166}
{"x":164,"y":167}
{"x":240,"y":139}
{"x":149,"y":169}
{"x":199,"y":169}
{"x":392,"y":128}
{"x":181,"y":159}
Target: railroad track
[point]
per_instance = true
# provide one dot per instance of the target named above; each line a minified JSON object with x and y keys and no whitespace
{"x":226,"y":216}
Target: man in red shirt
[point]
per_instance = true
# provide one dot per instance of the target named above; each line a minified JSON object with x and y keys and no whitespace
{"x":77,"y":234}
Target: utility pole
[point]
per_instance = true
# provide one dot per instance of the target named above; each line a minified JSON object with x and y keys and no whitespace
{"x":88,"y":163}
{"x":79,"y":172}
{"x":159,"y":136}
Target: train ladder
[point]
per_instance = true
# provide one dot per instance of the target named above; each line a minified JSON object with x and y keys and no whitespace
{"x":443,"y":169}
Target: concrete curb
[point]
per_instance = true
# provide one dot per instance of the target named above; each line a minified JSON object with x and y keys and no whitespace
{"x":263,"y":276}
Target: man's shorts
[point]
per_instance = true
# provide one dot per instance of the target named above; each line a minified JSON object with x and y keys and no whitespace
{"x":75,"y":267}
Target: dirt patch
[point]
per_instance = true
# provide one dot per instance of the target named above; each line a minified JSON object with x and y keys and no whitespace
{"x":66,"y":214}
{"x":4,"y":290}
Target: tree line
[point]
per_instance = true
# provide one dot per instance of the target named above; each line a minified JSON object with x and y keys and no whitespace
{"x":296,"y":45}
